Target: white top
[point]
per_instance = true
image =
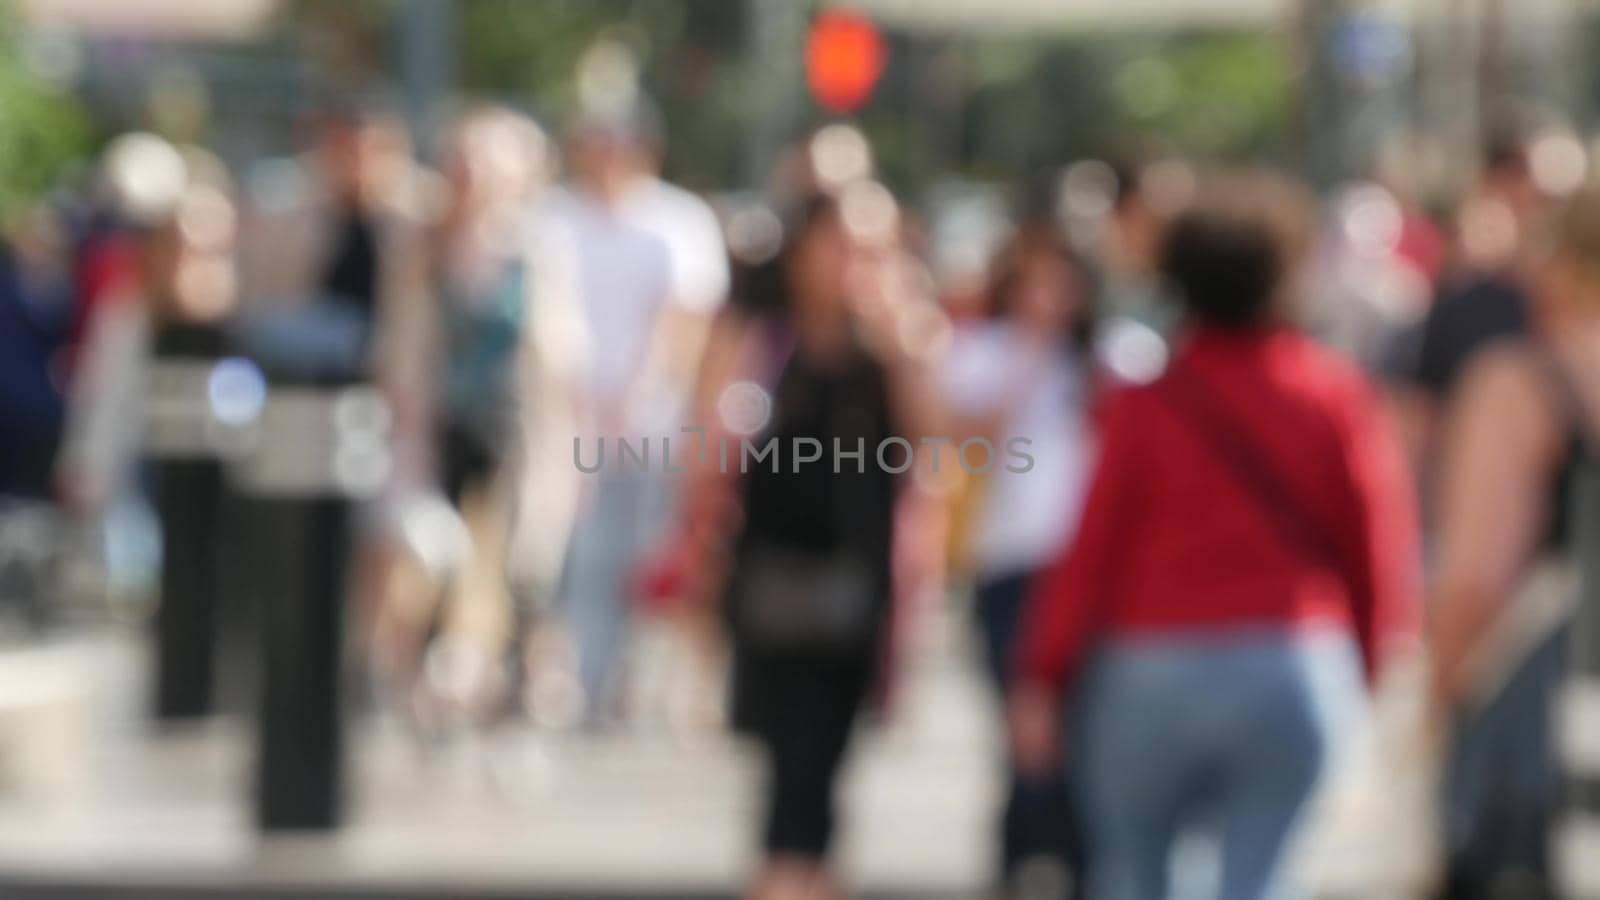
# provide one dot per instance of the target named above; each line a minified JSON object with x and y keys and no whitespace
{"x":1025,"y":518}
{"x":696,"y":252}
{"x":656,"y":246}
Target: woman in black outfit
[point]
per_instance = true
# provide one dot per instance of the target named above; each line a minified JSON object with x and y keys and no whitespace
{"x":808,"y":592}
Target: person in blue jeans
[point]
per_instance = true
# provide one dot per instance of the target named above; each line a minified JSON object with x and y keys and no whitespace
{"x":1247,"y":551}
{"x":1228,"y":732}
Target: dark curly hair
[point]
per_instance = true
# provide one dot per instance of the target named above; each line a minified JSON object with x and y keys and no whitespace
{"x":1227,"y":256}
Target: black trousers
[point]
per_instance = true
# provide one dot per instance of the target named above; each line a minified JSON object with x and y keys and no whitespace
{"x":468,"y":458}
{"x":802,"y":707}
{"x":1040,"y":818}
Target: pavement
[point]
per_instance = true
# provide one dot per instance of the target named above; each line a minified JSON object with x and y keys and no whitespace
{"x":112,"y":806}
{"x":109,"y":806}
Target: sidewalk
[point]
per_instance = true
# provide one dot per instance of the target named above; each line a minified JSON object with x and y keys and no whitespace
{"x":531,"y":814}
{"x":523,"y":813}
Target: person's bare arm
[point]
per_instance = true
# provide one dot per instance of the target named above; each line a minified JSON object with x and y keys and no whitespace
{"x":683,"y":334}
{"x":1502,"y":440}
{"x":914,"y":395}
{"x":908,"y":333}
{"x":551,"y":365}
{"x":1412,"y":411}
{"x":665,"y":372}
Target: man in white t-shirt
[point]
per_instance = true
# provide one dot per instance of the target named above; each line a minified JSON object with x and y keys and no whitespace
{"x":649,"y":270}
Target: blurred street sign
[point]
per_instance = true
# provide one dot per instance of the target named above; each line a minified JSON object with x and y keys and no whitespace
{"x":1370,"y":48}
{"x":214,"y":19}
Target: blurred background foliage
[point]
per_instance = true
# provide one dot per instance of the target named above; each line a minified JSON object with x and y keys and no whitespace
{"x":968,"y":105}
{"x":44,"y":131}
{"x":975,"y":106}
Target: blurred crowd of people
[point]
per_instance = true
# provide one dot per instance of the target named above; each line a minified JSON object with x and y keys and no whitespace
{"x":1241,"y":411}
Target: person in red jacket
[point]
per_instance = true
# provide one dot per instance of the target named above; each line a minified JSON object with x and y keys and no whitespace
{"x":1248,"y":546}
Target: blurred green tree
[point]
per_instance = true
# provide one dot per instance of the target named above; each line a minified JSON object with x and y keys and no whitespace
{"x":987,"y":106}
{"x":690,"y":66}
{"x":1218,"y":96}
{"x":43,"y":129}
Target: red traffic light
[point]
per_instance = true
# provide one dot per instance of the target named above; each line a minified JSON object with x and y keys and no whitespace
{"x":845,"y":54}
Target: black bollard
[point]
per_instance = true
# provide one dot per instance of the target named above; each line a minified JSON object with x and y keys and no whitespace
{"x":301,"y":741}
{"x":322,"y":447}
{"x":184,"y":445}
